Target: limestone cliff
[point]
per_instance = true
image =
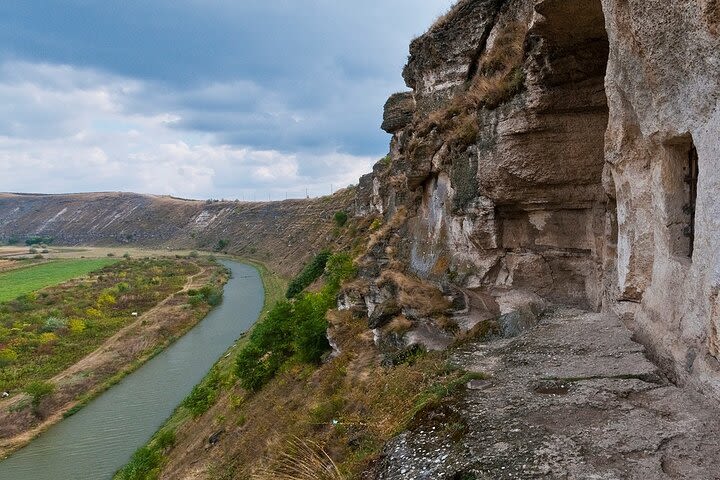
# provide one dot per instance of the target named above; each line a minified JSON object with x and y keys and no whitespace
{"x":549,"y":152}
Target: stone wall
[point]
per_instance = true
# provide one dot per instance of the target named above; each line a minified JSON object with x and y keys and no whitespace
{"x":663,"y":86}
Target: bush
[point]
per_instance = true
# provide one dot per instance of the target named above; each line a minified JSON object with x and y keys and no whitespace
{"x":310,"y":273}
{"x":310,"y":333}
{"x":210,"y":294}
{"x":292,"y":330}
{"x":142,"y":465}
{"x":203,"y":395}
{"x":126,"y":255}
{"x":38,"y":391}
{"x":8,"y":356}
{"x":195,"y":300}
{"x":165,"y":439}
{"x":106,"y":299}
{"x":53,"y":324}
{"x":220,"y":245}
{"x":214,"y":297}
{"x":76,"y":325}
{"x":38,"y":241}
{"x":341,"y":218}
{"x":48,"y":337}
{"x":201,"y":398}
{"x":194,"y":254}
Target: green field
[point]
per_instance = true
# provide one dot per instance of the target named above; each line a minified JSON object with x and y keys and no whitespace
{"x":25,"y":280}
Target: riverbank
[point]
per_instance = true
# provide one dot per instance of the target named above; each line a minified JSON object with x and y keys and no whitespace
{"x":118,"y":356}
{"x":94,"y":443}
{"x":180,"y":424}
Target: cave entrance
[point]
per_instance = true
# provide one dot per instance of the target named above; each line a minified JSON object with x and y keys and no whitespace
{"x":564,"y":224}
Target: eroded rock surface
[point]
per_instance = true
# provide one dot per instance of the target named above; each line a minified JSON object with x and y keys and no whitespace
{"x":573,"y":398}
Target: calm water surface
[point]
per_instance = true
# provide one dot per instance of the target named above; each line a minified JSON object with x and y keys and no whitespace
{"x":94,"y":443}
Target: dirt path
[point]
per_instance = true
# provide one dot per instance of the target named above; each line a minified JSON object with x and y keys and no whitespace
{"x":124,"y":351}
{"x":574,"y":398}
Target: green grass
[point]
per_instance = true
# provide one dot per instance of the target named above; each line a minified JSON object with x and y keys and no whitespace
{"x":26,"y":280}
{"x":43,"y":333}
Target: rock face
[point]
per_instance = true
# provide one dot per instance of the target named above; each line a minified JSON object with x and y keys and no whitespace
{"x":663,"y":87}
{"x":399,"y":111}
{"x":564,"y":150}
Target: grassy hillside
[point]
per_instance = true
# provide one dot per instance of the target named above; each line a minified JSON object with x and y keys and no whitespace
{"x":26,"y":280}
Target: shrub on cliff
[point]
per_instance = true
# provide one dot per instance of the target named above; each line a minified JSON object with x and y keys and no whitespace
{"x":292,"y":330}
{"x":310,"y":273}
{"x":340,"y":218}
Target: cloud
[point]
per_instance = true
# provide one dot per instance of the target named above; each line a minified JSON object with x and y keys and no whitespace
{"x":80,"y":134}
{"x":195,"y":98}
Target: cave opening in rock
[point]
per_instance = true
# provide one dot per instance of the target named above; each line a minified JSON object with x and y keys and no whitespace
{"x":564,"y":222}
{"x":680,"y":188}
{"x":691,"y":181}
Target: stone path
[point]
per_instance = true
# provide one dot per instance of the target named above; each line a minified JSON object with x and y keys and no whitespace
{"x":573,"y":398}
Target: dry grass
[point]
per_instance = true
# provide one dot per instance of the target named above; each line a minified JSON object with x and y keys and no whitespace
{"x":301,"y":460}
{"x":446,"y":17}
{"x":448,"y":324}
{"x":500,"y":74}
{"x":416,"y":294}
{"x":400,"y":324}
{"x":465,"y":130}
{"x":507,"y":50}
{"x":394,"y":222}
{"x":441,"y":266}
{"x":344,"y":411}
{"x":500,"y":77}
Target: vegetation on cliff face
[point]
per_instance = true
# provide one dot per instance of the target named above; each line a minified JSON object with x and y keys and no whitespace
{"x":343,"y":411}
{"x":311,"y":272}
{"x":293,"y":330}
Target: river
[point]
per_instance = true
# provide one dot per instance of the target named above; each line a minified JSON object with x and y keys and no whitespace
{"x":98,"y":440}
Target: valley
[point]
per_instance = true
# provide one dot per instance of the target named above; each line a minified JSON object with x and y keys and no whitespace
{"x":526,"y":286}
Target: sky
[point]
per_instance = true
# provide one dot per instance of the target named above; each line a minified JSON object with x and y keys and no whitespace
{"x":235,"y":99}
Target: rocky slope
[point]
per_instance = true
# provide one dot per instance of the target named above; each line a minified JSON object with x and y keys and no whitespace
{"x":282,"y":234}
{"x":574,"y":398}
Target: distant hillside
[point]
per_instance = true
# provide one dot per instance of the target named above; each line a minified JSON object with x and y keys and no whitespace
{"x":283,"y":234}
